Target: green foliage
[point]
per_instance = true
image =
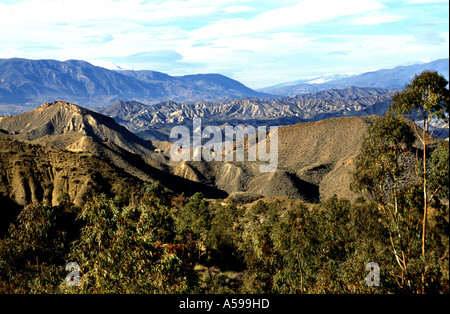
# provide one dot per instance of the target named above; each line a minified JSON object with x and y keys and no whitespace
{"x":416,"y":244}
{"x":224,"y":236}
{"x":194,"y":218}
{"x":320,"y":249}
{"x":438,"y":178}
{"x":257,"y":247}
{"x":156,"y":221}
{"x":425,"y":97}
{"x":127,"y":250}
{"x":378,"y":169}
{"x":32,"y":251}
{"x":295,"y":237}
{"x":156,"y":242}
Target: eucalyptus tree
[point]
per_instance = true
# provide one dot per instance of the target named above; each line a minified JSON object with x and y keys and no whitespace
{"x":425,"y":101}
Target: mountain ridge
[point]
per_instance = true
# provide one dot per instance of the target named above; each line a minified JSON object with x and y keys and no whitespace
{"x":395,"y":77}
{"x":26,"y":82}
{"x":60,"y":117}
{"x":154,"y":122}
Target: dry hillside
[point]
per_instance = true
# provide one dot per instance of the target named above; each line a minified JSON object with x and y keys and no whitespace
{"x":35,"y":173}
{"x":315,"y":160}
{"x":72,"y":133}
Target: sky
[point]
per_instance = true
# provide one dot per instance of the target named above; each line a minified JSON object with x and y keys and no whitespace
{"x":257,"y":42}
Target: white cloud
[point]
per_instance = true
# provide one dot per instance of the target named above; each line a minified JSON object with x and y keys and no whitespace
{"x":303,"y":13}
{"x":258,"y":45}
{"x":239,"y":9}
{"x":377,"y":19}
{"x":427,"y":1}
{"x":70,"y":11}
{"x":427,"y":39}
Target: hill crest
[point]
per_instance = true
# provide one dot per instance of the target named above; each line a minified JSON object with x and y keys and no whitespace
{"x":59,"y":117}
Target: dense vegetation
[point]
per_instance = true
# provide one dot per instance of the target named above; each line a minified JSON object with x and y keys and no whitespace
{"x":169,"y":244}
{"x":162,"y":243}
{"x":153,"y":241}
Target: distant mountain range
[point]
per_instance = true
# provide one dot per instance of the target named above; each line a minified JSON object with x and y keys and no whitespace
{"x":396,"y":77}
{"x":25,"y":82}
{"x":58,"y":149}
{"x":154,"y":122}
{"x":149,"y":103}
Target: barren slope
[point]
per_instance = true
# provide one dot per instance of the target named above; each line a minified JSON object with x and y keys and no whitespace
{"x":315,"y":160}
{"x":59,"y":117}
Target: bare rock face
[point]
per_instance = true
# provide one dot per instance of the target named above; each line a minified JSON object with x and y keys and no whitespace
{"x":231,"y":178}
{"x":33,"y":173}
{"x":184,"y":170}
{"x":61,"y":148}
{"x":321,"y":152}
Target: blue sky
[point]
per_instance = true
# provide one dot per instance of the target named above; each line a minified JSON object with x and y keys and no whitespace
{"x":257,"y":42}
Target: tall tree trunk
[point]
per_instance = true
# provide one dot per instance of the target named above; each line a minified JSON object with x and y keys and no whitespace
{"x":301,"y":272}
{"x":425,"y":200}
